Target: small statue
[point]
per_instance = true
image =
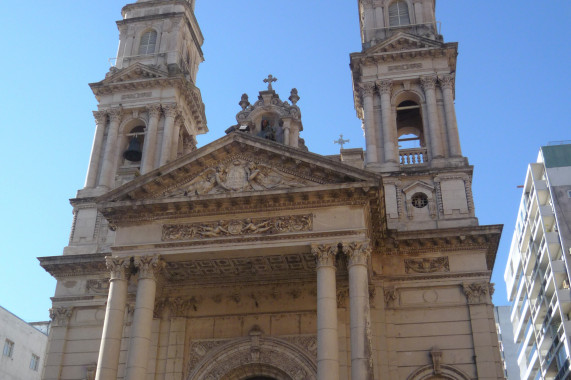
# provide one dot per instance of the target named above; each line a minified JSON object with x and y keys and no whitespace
{"x":268,"y":131}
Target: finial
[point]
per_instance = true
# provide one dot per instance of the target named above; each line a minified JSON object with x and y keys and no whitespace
{"x":269,"y":81}
{"x":244,"y":103}
{"x":294,"y":97}
{"x":341,"y":141}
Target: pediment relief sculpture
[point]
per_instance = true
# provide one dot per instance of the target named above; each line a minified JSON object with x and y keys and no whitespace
{"x":239,"y":175}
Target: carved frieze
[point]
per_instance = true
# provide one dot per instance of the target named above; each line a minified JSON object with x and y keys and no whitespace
{"x":97,"y":286}
{"x":427,"y":265}
{"x":238,"y":227}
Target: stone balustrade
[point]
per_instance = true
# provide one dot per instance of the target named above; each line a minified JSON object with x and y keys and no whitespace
{"x":414,"y":156}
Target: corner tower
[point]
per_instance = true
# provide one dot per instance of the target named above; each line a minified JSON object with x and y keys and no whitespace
{"x":150,"y":110}
{"x":403,"y":82}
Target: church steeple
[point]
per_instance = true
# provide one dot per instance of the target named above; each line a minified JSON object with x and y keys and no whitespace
{"x":148,"y":100}
{"x":403,"y":82}
{"x":150,"y":110}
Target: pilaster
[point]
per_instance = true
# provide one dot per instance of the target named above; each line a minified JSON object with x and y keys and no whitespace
{"x":428,"y":83}
{"x":93,"y":171}
{"x":367,"y":91}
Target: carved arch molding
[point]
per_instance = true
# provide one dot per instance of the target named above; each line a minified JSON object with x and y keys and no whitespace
{"x":445,"y":372}
{"x":252,"y":357}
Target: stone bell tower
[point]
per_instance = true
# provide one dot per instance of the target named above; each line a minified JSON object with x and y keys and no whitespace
{"x":149,"y":111}
{"x":403,"y":81}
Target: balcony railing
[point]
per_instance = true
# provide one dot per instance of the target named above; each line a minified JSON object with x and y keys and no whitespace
{"x":414,"y":156}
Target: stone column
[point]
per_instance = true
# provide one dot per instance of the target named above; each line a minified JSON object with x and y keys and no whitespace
{"x":171,"y":112}
{"x":447,"y":85}
{"x":327,"y":337}
{"x":108,"y":361}
{"x":367,"y":91}
{"x":389,"y":133}
{"x":358,"y":255}
{"x":429,"y":84}
{"x":149,"y":267}
{"x":150,"y":144}
{"x":109,"y":157}
{"x":100,"y":124}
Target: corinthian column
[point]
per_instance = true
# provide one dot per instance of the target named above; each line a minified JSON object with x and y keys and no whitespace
{"x":389,"y":133}
{"x":149,"y":267}
{"x":367,"y":91}
{"x":109,"y":157}
{"x":429,"y":84}
{"x":150,"y":144}
{"x":100,"y":122}
{"x":171,"y":112}
{"x":447,"y":85}
{"x":108,"y":361}
{"x":327,"y":337}
{"x":358,"y":255}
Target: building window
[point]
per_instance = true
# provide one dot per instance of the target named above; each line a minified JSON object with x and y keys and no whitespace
{"x":398,"y":14}
{"x":419,"y":200}
{"x":8,"y":348}
{"x":568,"y":193}
{"x":148,"y":43}
{"x":34,"y":362}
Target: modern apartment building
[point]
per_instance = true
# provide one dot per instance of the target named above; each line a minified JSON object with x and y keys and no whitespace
{"x":23,"y":347}
{"x":537,"y":274}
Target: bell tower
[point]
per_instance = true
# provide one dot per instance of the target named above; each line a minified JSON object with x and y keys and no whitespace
{"x":150,"y":110}
{"x":403,"y":82}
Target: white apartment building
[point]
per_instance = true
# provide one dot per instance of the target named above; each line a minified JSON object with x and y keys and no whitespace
{"x":537,"y":274}
{"x":23,"y":347}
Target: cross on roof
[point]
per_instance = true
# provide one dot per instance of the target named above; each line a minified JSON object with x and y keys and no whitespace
{"x":341,"y":141}
{"x":269,"y":81}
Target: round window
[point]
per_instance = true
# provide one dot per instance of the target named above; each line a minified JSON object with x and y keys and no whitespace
{"x":419,"y":200}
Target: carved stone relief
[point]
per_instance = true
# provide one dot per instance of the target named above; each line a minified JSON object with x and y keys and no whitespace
{"x":427,"y":265}
{"x":97,"y":286}
{"x":239,"y":175}
{"x":237,"y":227}
{"x":476,"y":292}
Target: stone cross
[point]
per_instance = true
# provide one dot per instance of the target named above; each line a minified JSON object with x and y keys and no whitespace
{"x":269,"y":81}
{"x":341,"y":141}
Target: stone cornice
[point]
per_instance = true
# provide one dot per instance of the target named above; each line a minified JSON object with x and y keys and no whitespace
{"x":435,"y":276}
{"x":192,"y":98}
{"x":414,"y":243}
{"x":74,"y":265}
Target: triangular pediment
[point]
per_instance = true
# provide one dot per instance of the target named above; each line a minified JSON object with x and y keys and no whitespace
{"x":135,"y":72}
{"x":403,"y":42}
{"x":239,"y":165}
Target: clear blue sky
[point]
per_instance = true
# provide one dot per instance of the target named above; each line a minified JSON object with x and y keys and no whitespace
{"x":512,"y":95}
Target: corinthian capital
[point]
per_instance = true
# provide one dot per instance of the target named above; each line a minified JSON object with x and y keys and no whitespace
{"x":366,"y":89}
{"x":358,"y":253}
{"x":154,"y":110}
{"x":118,"y":267}
{"x":115,"y":114}
{"x":385,"y":86}
{"x":100,"y":117}
{"x":324,"y":254}
{"x":428,"y":82}
{"x":446,"y":81}
{"x":61,"y":315}
{"x":149,"y":266}
{"x":170,"y":110}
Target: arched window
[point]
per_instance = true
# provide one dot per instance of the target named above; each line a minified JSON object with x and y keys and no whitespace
{"x":398,"y":14}
{"x":148,"y":43}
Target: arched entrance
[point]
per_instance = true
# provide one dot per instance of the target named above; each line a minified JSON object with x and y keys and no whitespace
{"x":255,"y":358}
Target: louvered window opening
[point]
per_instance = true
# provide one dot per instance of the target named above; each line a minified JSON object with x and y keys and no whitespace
{"x":148,"y":43}
{"x":398,"y":14}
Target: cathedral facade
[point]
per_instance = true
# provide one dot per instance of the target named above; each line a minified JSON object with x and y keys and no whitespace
{"x":253,"y":258}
